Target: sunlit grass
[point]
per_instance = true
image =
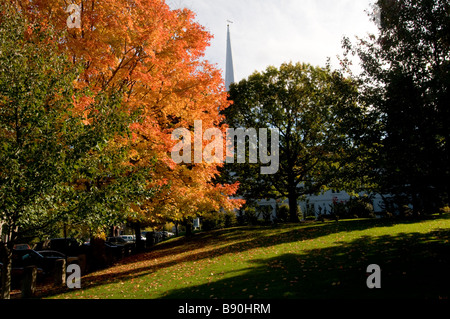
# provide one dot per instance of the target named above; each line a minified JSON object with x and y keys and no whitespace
{"x":320,"y":260}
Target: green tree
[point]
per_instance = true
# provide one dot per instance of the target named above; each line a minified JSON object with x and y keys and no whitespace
{"x":59,"y":163}
{"x":405,"y":81}
{"x":313,"y":109}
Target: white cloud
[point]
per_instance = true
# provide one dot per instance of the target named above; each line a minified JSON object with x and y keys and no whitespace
{"x":270,"y":32}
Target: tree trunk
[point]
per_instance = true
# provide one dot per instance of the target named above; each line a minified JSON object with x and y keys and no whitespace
{"x":188,"y":225}
{"x":176,"y":228}
{"x":293,"y":208}
{"x":139,"y":242}
{"x":292,"y":195}
{"x":6,"y":260}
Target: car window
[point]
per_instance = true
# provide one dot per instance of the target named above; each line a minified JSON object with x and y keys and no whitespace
{"x":51,"y":254}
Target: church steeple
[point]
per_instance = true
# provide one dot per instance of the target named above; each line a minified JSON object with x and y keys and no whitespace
{"x":229,"y":72}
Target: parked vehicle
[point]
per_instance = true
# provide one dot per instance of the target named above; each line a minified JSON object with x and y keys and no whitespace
{"x":119,"y":241}
{"x":22,"y":246}
{"x":28,"y":257}
{"x":163,"y":235}
{"x":129,"y":238}
{"x":67,"y":246}
{"x":168,"y":234}
{"x":55,"y":255}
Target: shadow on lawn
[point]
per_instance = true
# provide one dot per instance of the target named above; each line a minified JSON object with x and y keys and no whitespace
{"x":340,"y":264}
{"x":413,"y":265}
{"x":255,"y":236}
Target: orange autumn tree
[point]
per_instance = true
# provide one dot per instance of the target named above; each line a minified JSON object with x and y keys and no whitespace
{"x":155,"y":56}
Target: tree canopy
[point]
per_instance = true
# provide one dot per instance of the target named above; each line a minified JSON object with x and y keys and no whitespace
{"x":87,"y":113}
{"x":405,"y":82}
{"x":313,"y":109}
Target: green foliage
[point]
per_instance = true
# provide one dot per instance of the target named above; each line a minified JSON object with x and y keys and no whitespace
{"x":265,"y":213}
{"x":355,"y":207}
{"x":250,"y":216}
{"x":230,"y":219}
{"x":282,"y":213}
{"x":314,"y":110}
{"x":360,"y":207}
{"x":218,"y":220}
{"x":54,"y":167}
{"x":35,"y":94}
{"x":405,"y":80}
{"x":61,"y":159}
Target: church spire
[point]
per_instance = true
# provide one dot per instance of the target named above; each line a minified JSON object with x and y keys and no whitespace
{"x":229,"y":72}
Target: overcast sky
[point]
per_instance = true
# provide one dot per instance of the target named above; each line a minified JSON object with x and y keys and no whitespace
{"x":270,"y":32}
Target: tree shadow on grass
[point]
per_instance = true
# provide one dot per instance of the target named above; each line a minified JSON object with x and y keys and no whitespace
{"x":412,"y":265}
{"x":241,"y":238}
{"x":316,"y":263}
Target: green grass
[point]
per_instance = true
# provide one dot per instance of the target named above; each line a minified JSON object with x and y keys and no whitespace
{"x":317,"y":260}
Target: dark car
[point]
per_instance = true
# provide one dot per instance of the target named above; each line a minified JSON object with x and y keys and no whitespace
{"x":28,"y":257}
{"x":120,"y":242}
{"x":67,"y":246}
{"x":45,"y":260}
{"x":52,"y":256}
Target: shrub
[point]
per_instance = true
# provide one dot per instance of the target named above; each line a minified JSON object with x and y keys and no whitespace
{"x":300,"y":213}
{"x":218,"y":220}
{"x":361,"y":207}
{"x":355,"y":207}
{"x":230,"y":219}
{"x":282,"y":213}
{"x":266,"y":214}
{"x":339,"y":208}
{"x":213,"y":220}
{"x":250,"y":216}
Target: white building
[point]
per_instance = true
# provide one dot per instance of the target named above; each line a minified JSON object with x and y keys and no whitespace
{"x":314,"y":205}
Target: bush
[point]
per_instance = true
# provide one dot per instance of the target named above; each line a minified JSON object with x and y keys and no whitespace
{"x":213,"y":220}
{"x":361,"y":207}
{"x":218,"y":220}
{"x":250,"y":216}
{"x":355,"y":207}
{"x":282,"y":213}
{"x":299,"y":213}
{"x":266,"y":214}
{"x":230,"y":219}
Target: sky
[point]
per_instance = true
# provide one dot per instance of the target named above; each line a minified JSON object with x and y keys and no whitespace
{"x":270,"y":32}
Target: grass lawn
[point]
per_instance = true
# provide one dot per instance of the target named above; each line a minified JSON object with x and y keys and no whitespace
{"x":314,"y":260}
